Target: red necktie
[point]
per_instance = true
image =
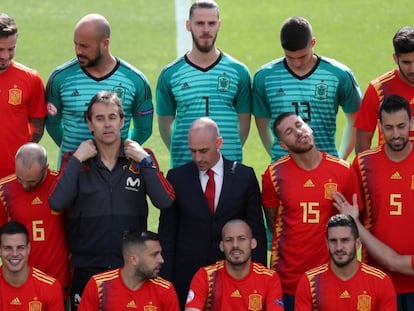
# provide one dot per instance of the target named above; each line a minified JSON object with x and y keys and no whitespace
{"x":210,"y":192}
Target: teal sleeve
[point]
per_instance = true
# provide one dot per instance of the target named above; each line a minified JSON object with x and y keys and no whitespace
{"x":243,"y":100}
{"x":260,"y":106}
{"x":165,"y":99}
{"x":143,"y":113}
{"x":54,"y":128}
{"x":54,"y":123}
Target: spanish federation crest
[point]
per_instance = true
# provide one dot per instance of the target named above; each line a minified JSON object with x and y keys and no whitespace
{"x":330,"y":188}
{"x":15,"y":96}
{"x":35,"y":306}
{"x":255,"y":302}
{"x":364,"y":303}
{"x":150,"y":308}
{"x":321,"y":91}
{"x":120,"y":91}
{"x":223,"y":83}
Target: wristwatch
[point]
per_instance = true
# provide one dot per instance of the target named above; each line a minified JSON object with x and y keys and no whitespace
{"x":145,"y":162}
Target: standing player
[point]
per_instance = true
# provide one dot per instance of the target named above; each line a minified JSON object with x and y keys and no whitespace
{"x":22,"y":286}
{"x":136,"y":285}
{"x":344,"y":283}
{"x":309,"y":85}
{"x":386,"y":178}
{"x":22,"y":99}
{"x":24,"y":198}
{"x":95,"y":69}
{"x":204,"y":82}
{"x":235,"y":283}
{"x":297,"y":196}
{"x":397,"y":81}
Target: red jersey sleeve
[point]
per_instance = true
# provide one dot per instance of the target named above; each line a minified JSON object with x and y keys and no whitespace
{"x":37,"y":101}
{"x":270,"y":198}
{"x":197,"y":294}
{"x":90,"y":297}
{"x":303,"y":298}
{"x":367,"y":116}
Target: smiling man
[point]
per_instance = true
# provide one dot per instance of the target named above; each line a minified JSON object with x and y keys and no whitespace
{"x":385,"y":175}
{"x":344,"y":283}
{"x":22,"y":286}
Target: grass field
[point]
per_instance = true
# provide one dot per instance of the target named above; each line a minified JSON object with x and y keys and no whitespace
{"x":357,"y":33}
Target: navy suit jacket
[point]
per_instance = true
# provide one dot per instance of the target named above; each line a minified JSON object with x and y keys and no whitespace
{"x":190,"y":234}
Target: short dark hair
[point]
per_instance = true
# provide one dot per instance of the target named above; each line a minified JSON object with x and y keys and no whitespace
{"x":341,"y":220}
{"x":14,"y":227}
{"x":394,"y":103}
{"x":137,"y":238}
{"x":403,"y":40}
{"x":105,"y":97}
{"x":279,"y":120}
{"x":203,"y":4}
{"x":295,"y":34}
{"x":8,"y":26}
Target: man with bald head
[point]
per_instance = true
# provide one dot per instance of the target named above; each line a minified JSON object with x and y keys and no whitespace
{"x":210,"y":190}
{"x":24,"y":198}
{"x":95,"y":69}
{"x":235,"y":283}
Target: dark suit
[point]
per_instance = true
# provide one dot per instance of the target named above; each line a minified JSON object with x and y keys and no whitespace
{"x":190,"y":235}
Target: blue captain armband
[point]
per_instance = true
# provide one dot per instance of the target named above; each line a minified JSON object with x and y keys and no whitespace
{"x":145,"y":162}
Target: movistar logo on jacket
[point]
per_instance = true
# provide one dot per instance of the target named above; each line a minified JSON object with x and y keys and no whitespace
{"x":132,"y":183}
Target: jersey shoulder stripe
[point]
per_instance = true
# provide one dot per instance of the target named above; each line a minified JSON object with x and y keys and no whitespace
{"x":379,"y":81}
{"x":316,"y":271}
{"x":373,"y":271}
{"x":260,"y":269}
{"x":161,"y":282}
{"x":7,"y":179}
{"x":43,"y":277}
{"x":106,"y":276}
{"x":280,"y":161}
{"x":339,"y":161}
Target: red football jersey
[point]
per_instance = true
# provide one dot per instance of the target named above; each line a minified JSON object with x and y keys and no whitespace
{"x":369,"y":289}
{"x":303,"y":199}
{"x":388,"y":191}
{"x":213,"y":289}
{"x":387,"y":84}
{"x":22,"y":97}
{"x":40,"y":292}
{"x":107,"y":292}
{"x":49,"y":248}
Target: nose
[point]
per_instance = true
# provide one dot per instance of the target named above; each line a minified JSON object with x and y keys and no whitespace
{"x":395,"y":132}
{"x":197,"y":156}
{"x":4,"y":54}
{"x":14,"y":251}
{"x":161,"y":259}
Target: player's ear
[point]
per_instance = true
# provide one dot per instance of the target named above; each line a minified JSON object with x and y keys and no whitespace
{"x":283,"y":145}
{"x":221,"y":246}
{"x":395,"y":58}
{"x":253,"y":243}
